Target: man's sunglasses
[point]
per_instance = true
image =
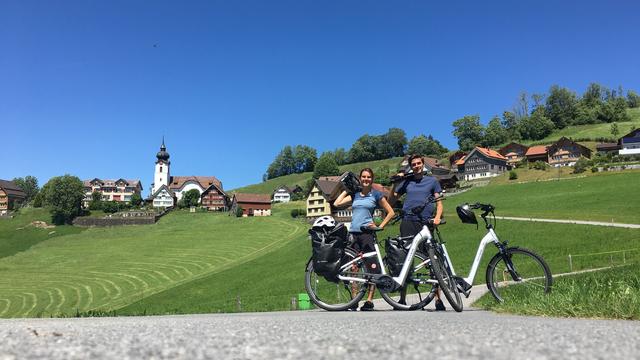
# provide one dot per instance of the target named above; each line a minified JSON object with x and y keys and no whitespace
{"x":416,"y":164}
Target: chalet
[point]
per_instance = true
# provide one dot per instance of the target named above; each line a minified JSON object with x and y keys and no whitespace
{"x":120,"y":190}
{"x":252,"y":204}
{"x":630,"y":143}
{"x":284,"y":193}
{"x":565,"y":152}
{"x":11,"y":196}
{"x":481,"y":163}
{"x":323,"y":193}
{"x":214,"y":198}
{"x":163,"y":197}
{"x":537,"y":153}
{"x":514,"y":153}
{"x":454,"y":158}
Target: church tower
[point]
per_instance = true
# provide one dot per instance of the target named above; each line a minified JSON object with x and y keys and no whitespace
{"x":161,"y":175}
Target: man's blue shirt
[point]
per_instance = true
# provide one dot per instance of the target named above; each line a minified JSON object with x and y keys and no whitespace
{"x":418,"y":190}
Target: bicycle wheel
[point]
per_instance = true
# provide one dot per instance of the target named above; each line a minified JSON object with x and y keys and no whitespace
{"x":530,"y":274}
{"x":333,"y":296}
{"x":445,"y":278}
{"x":418,"y":292}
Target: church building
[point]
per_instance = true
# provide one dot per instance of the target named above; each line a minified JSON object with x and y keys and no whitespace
{"x":167,"y":190}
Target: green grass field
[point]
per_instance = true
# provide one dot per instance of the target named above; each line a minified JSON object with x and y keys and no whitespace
{"x":611,"y":197}
{"x":107,"y":268}
{"x":608,"y":294}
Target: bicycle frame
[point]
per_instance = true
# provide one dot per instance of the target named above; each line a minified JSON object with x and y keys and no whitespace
{"x":490,"y":237}
{"x":422,"y":236}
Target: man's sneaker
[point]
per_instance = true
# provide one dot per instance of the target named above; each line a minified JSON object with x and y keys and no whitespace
{"x":367,"y":306}
{"x":353,"y":307}
{"x":440,"y":306}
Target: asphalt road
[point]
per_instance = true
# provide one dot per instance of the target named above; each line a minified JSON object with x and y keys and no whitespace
{"x":472,"y":334}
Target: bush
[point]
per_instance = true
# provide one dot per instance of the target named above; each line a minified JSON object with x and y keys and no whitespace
{"x":294,"y":213}
{"x":594,"y":169}
{"x":540,"y":165}
{"x":239,"y":211}
{"x":581,"y":166}
{"x":37,"y":200}
{"x":513,"y":175}
{"x":110,"y":207}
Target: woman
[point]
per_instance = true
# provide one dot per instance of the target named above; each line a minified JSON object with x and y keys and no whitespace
{"x":364,"y":203}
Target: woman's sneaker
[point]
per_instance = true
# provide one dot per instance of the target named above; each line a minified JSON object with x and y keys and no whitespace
{"x":440,"y":306}
{"x":367,"y":306}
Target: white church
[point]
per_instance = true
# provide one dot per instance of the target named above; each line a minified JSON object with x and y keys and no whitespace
{"x":167,"y":190}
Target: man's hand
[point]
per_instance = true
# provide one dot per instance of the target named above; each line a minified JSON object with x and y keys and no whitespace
{"x":436,"y":221}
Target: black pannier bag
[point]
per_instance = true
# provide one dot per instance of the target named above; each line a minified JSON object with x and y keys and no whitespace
{"x":327,"y":250}
{"x":396,"y":254}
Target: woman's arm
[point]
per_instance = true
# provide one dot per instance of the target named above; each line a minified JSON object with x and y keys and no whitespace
{"x":388,"y":209}
{"x":343,"y":199}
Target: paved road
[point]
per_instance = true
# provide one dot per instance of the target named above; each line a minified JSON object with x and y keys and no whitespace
{"x":472,"y":334}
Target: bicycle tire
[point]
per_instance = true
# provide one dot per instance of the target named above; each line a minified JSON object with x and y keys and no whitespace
{"x":423,"y":292}
{"x":445,"y":278}
{"x":333,"y":296}
{"x":533,"y":272}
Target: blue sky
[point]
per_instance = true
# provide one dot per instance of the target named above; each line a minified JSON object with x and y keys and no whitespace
{"x":90,"y":87}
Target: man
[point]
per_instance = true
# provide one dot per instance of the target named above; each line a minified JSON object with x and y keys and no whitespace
{"x":418,"y":188}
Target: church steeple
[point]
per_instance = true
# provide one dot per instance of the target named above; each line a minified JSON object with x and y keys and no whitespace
{"x":163,"y":155}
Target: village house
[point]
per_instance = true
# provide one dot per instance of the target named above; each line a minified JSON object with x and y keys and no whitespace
{"x":284,"y":193}
{"x":167,"y":189}
{"x":630,"y":143}
{"x":11,"y":196}
{"x":537,"y":153}
{"x":565,"y":152}
{"x":607,"y":148}
{"x":481,"y":163}
{"x":514,"y":153}
{"x":120,"y":190}
{"x":251,"y":204}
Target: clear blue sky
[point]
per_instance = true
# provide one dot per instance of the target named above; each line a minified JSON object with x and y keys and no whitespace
{"x":90,"y":87}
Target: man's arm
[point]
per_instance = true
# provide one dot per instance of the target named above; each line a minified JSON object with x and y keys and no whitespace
{"x":436,"y":219}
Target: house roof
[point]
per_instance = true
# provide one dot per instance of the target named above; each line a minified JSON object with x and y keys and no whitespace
{"x":631,"y":134}
{"x":160,"y":189}
{"x":12,"y":189}
{"x":461,"y":160}
{"x":505,"y":148}
{"x":607,"y":146}
{"x":178,"y":182}
{"x":564,"y":138}
{"x":537,"y":150}
{"x":490,"y":153}
{"x":111,"y":182}
{"x":252,"y":198}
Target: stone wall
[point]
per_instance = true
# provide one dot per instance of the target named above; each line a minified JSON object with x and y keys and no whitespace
{"x":119,"y":219}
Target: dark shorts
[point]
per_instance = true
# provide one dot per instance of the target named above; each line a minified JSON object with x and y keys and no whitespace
{"x":411,"y":228}
{"x":364,"y":243}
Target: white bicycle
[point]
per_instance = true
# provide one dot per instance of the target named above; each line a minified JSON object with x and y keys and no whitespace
{"x":512,"y":270}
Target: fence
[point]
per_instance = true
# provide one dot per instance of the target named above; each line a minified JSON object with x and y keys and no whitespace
{"x":606,"y":258}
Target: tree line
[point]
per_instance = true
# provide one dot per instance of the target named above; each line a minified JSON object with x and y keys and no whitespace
{"x":535,"y":117}
{"x":302,"y":158}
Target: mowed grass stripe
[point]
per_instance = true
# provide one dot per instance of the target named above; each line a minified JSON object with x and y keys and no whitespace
{"x":107,"y":268}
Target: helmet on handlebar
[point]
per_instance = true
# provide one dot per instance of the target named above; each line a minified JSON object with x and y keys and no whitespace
{"x":324,"y":223}
{"x":466,"y":214}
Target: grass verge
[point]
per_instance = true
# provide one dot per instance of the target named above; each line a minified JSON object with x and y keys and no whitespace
{"x":608,"y":294}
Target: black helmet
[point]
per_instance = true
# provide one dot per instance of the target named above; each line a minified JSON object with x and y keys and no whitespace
{"x":466,"y":214}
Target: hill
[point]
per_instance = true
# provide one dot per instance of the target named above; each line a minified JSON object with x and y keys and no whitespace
{"x":592,"y":131}
{"x":268,"y":186}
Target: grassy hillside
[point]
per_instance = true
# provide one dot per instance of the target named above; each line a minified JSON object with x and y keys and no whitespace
{"x":268,"y":186}
{"x":592,"y":131}
{"x":604,"y":197}
{"x":107,"y":268}
{"x":19,"y":234}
